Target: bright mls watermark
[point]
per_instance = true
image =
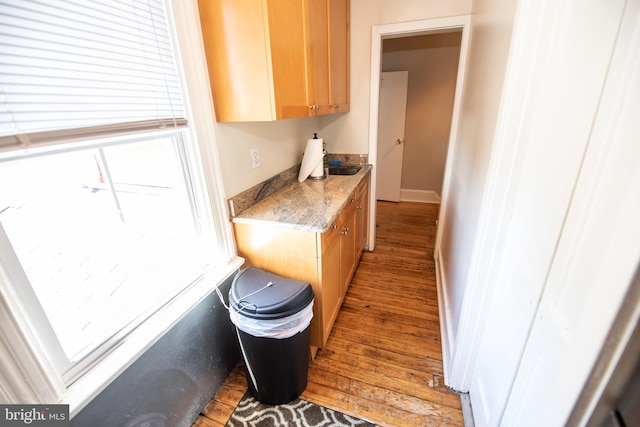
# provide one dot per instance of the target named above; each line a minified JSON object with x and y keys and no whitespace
{"x":34,"y":415}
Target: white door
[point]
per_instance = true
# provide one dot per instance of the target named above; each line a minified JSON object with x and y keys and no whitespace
{"x":391,"y":117}
{"x":551,"y":295}
{"x":597,"y":254}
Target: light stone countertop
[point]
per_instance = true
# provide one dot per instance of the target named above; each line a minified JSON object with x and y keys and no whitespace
{"x":311,"y":205}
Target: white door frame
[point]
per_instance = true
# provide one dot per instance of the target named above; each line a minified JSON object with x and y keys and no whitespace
{"x":404,"y":29}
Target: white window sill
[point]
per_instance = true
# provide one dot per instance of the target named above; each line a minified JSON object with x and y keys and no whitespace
{"x":81,"y":392}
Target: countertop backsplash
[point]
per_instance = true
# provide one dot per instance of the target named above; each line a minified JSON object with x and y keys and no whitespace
{"x":244,"y":200}
{"x":349,"y":159}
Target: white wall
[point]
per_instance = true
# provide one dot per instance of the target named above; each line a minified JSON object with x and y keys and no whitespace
{"x":280,"y":145}
{"x":491,"y":28}
{"x":349,"y":133}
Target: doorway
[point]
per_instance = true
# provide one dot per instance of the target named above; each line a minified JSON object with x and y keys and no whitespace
{"x":431,"y":61}
{"x":383,"y":33}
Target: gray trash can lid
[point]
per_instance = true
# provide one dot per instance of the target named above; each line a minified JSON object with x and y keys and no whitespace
{"x":258,"y":294}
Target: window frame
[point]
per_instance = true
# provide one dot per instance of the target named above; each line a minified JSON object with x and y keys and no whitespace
{"x":30,"y":369}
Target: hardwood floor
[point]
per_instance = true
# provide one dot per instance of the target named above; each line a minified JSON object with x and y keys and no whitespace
{"x":383,"y":360}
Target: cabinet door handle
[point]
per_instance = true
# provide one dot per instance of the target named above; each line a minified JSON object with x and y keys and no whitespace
{"x":334,"y":226}
{"x":336,"y":106}
{"x":345,"y":231}
{"x":358,"y":207}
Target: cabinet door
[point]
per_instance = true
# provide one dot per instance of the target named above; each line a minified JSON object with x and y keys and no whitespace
{"x":339,"y":55}
{"x":348,"y":245}
{"x":270,"y":59}
{"x":331,"y":299}
{"x":362,"y":217}
{"x":235,"y":35}
{"x":288,"y":43}
{"x":318,"y":56}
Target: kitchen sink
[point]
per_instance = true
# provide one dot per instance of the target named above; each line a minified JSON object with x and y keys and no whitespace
{"x":344,"y":170}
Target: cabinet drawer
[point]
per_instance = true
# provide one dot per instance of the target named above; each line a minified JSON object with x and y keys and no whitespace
{"x":328,"y":236}
{"x":363,"y":188}
{"x":350,"y":206}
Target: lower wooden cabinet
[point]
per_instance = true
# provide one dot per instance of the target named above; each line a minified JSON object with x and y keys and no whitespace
{"x":362,"y":216}
{"x":330,"y":279}
{"x":325,"y":260}
{"x":348,"y":258}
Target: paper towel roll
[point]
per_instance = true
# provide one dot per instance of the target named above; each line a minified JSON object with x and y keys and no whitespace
{"x":312,"y":160}
{"x":318,"y":171}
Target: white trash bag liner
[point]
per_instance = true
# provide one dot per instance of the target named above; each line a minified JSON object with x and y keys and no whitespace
{"x":280,"y":328}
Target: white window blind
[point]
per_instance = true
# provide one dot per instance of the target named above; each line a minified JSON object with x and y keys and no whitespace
{"x":153,"y":197}
{"x":76,"y":70}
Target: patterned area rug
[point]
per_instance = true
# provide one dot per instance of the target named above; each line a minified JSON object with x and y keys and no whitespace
{"x":299,"y":413}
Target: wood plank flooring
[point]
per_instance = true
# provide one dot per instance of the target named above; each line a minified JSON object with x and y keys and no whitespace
{"x":383,"y":360}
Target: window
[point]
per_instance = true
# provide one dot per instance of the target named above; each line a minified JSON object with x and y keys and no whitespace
{"x":106,"y":215}
{"x":104,"y":234}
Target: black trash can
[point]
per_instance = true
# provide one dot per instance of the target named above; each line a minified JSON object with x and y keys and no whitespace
{"x":272,"y":315}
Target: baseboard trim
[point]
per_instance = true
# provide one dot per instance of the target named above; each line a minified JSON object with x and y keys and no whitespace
{"x":420,"y":196}
{"x":467,"y":410}
{"x":444,"y":311}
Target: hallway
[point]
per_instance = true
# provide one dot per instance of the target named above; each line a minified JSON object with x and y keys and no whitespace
{"x":383,"y":360}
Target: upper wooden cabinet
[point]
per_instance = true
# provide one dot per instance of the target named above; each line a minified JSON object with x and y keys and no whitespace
{"x":276,"y":59}
{"x":339,"y":55}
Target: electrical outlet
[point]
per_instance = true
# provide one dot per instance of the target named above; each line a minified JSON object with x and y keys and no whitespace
{"x":255,"y":158}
